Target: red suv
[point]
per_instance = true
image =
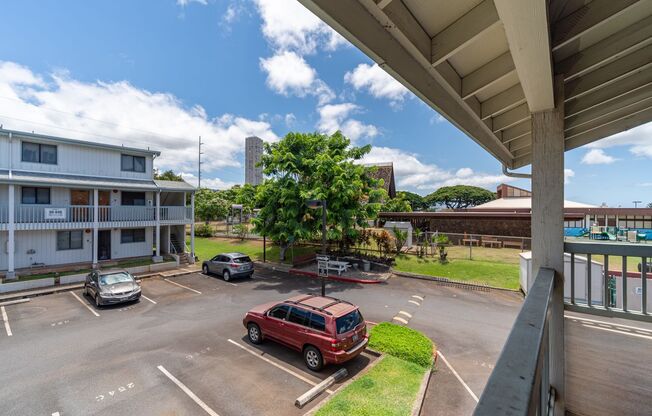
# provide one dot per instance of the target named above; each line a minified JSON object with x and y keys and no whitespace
{"x":325,"y":329}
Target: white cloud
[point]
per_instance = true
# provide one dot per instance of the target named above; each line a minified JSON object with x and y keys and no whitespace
{"x":288,"y":25}
{"x":568,"y":174}
{"x":333,"y":117}
{"x":437,"y":119}
{"x":289,"y":74}
{"x":639,"y":140}
{"x":211,"y":183}
{"x":120,"y":113}
{"x":597,"y":157}
{"x":184,"y":3}
{"x":377,"y":82}
{"x":412,"y":173}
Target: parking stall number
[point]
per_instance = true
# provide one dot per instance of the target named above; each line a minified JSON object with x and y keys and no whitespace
{"x":113,"y":393}
{"x":197,"y":354}
{"x":59,"y":323}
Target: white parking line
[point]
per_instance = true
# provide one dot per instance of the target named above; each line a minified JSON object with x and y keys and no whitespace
{"x":146,"y":298}
{"x":185,"y":287}
{"x":277,"y":365}
{"x":617,"y":331}
{"x":55,"y":414}
{"x":418,"y":297}
{"x":613,"y":324}
{"x":415,"y":302}
{"x":6,"y":320}
{"x":401,"y":320}
{"x":85,"y":304}
{"x":458,"y":376}
{"x":188,"y":391}
{"x":405,"y":314}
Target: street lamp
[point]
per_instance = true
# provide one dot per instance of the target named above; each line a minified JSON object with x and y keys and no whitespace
{"x":316,"y":203}
{"x":636,"y":203}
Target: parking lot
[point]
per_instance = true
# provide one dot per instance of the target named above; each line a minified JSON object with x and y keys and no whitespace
{"x":182,"y":350}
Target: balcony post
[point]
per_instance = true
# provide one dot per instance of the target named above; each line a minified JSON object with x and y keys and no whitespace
{"x":548,"y":225}
{"x":158,"y":257}
{"x":96,"y":224}
{"x":192,"y":226}
{"x":11,"y":244}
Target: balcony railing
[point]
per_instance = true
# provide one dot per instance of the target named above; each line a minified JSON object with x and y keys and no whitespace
{"x":35,"y":214}
{"x":519,"y":384}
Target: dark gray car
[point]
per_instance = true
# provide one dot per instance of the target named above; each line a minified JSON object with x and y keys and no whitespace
{"x":110,"y":287}
{"x":229,"y":265}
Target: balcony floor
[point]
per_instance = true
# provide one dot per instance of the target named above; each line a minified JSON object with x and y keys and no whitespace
{"x":608,"y":365}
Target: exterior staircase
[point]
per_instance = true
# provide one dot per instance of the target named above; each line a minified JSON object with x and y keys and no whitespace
{"x":178,"y":248}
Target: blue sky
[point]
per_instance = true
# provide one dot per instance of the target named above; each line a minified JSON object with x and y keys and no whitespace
{"x":161,"y":73}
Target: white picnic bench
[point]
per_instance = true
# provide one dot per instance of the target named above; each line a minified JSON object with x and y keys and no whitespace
{"x":338,"y":266}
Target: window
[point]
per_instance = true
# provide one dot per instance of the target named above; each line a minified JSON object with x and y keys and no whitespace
{"x":299,"y":316}
{"x":31,"y":195}
{"x":133,"y":198}
{"x":135,"y":235}
{"x":349,"y":321}
{"x":241,"y":260}
{"x":279,"y":312}
{"x":39,"y":153}
{"x":131,"y":163}
{"x":70,"y":240}
{"x":317,"y":322}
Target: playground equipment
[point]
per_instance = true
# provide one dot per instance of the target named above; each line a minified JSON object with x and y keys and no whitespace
{"x":603,"y":233}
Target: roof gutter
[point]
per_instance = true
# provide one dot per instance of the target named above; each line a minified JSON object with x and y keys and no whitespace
{"x":516,"y":174}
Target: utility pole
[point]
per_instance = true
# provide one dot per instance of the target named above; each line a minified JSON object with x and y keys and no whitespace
{"x":199,"y":164}
{"x":636,"y":203}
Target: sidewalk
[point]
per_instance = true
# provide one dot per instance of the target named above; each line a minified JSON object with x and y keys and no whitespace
{"x":350,"y":276}
{"x":5,"y":297}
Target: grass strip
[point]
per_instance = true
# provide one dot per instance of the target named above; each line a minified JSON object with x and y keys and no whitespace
{"x":402,"y":342}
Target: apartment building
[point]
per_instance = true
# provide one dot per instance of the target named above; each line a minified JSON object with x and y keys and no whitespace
{"x":65,"y":201}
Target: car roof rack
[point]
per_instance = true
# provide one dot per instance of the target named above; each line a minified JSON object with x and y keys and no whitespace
{"x":334,"y":302}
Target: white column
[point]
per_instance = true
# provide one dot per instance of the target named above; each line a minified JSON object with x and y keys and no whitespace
{"x":11,"y":244}
{"x":158,"y":227}
{"x":192,"y":226}
{"x":96,"y":224}
{"x":548,"y":224}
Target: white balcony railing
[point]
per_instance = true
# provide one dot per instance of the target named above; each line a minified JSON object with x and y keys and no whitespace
{"x":35,"y":214}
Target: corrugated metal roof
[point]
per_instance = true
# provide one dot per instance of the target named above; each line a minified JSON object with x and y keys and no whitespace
{"x":174,"y":185}
{"x":524,"y":202}
{"x":33,"y":178}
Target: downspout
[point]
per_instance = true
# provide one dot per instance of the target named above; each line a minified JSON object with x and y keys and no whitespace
{"x":516,"y":174}
{"x":11,"y":155}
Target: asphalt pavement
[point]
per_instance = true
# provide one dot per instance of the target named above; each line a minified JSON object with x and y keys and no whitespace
{"x":182,"y":349}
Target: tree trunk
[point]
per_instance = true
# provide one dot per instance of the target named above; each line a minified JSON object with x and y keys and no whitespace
{"x":283,"y":249}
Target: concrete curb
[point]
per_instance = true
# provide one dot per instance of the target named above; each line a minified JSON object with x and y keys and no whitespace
{"x":421,"y":395}
{"x":337,"y":278}
{"x":379,"y":358}
{"x":450,"y":282}
{"x":273,"y":266}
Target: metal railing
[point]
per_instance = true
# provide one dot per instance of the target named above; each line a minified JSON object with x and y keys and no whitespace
{"x":25,"y":214}
{"x":176,"y":213}
{"x":599,"y":290}
{"x":4,"y":214}
{"x":519,"y":383}
{"x":52,"y":214}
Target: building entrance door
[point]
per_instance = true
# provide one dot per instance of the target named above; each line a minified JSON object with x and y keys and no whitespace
{"x":80,"y":200}
{"x":104,"y":200}
{"x":104,"y":244}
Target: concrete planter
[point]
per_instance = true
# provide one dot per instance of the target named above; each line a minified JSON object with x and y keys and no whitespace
{"x":72,"y":278}
{"x":137,"y":269}
{"x":169,"y":265}
{"x":29,"y":284}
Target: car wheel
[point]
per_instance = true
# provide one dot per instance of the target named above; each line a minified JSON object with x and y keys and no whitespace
{"x":97,"y":301}
{"x":226,"y":275}
{"x":313,"y":358}
{"x":204,"y":269}
{"x":254,"y":334}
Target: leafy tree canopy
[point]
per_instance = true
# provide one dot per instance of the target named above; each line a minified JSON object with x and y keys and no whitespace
{"x":460,"y":196}
{"x":303,"y":167}
{"x":210,"y":205}
{"x":398,"y":204}
{"x":168,"y":175}
{"x":417,"y":202}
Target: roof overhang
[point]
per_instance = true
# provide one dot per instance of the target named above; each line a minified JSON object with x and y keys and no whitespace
{"x":487,"y":65}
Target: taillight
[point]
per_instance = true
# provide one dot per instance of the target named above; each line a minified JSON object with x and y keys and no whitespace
{"x":335,"y":345}
{"x":236,"y":265}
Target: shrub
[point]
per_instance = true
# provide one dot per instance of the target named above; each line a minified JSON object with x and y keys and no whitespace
{"x":241,"y":231}
{"x":204,"y":230}
{"x":402,"y":342}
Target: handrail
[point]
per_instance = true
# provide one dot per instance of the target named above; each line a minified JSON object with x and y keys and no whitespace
{"x":519,"y":383}
{"x":46,"y":214}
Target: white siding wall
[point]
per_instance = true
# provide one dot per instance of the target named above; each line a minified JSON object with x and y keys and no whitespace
{"x":81,"y":160}
{"x":4,"y":195}
{"x":44,"y":243}
{"x":3,"y":250}
{"x":4,"y":152}
{"x":120,"y":251}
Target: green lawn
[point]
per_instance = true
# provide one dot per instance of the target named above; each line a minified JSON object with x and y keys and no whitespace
{"x":206,"y":248}
{"x":478,"y":271}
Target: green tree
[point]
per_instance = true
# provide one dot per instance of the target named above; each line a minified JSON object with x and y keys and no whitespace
{"x":417,"y":202}
{"x":398,"y":204}
{"x":302,"y":167}
{"x":460,"y":196}
{"x":209,"y":205}
{"x":168,"y":175}
{"x":400,"y":237}
{"x":246,"y":196}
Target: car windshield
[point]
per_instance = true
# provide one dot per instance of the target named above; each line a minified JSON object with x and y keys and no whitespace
{"x":241,"y":260}
{"x":348,"y":322}
{"x":111,"y":279}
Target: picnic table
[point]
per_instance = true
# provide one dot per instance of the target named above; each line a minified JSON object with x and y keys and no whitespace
{"x":471,"y":241}
{"x":338,"y":266}
{"x":492,"y":242}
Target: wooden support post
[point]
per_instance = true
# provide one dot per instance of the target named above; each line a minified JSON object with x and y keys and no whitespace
{"x":548,"y":224}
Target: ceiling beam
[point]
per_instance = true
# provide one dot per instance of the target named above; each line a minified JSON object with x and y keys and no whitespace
{"x":524,"y":142}
{"x":614,"y":47}
{"x":503,"y":101}
{"x":403,"y":19}
{"x":387,"y":45}
{"x":609,"y":107}
{"x":635,"y":62}
{"x":524,"y":151}
{"x":521,"y":161}
{"x":617,"y":126}
{"x":463,"y":31}
{"x":586,"y":18}
{"x":610,"y":118}
{"x":511,"y":117}
{"x":623,"y":87}
{"x":526,"y":27}
{"x":516,"y":131}
{"x":487,"y":75}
